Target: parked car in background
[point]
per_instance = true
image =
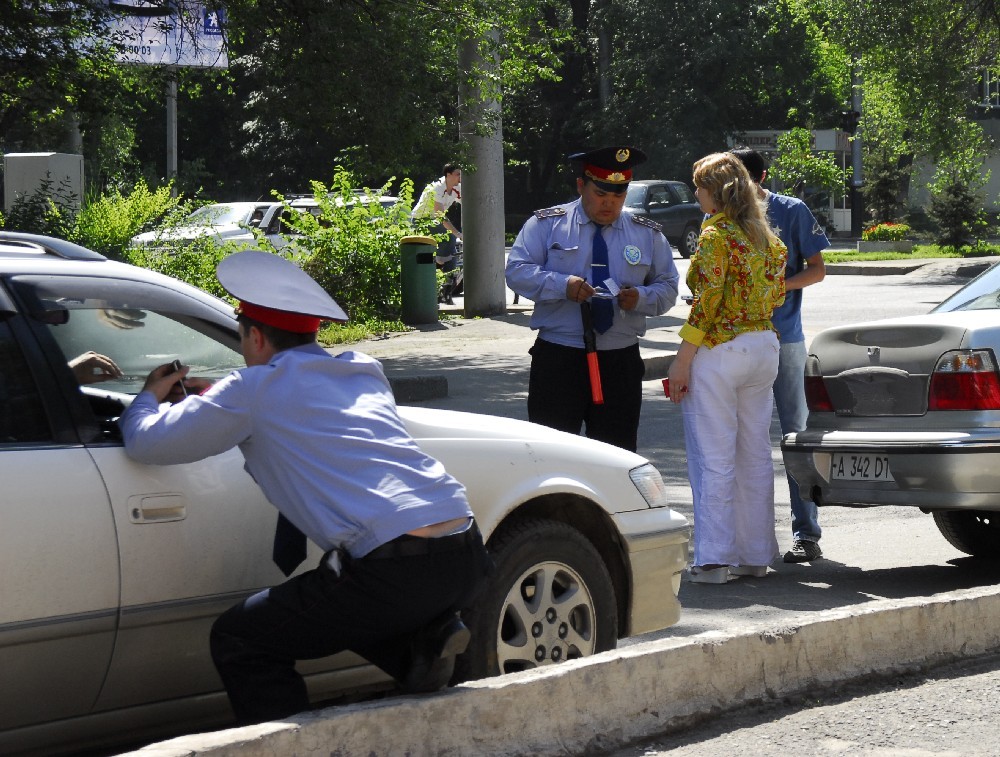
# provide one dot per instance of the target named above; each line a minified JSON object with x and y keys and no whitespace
{"x":906,"y":411}
{"x":279,"y":232}
{"x":672,"y":205}
{"x":112,"y":572}
{"x":223,"y":222}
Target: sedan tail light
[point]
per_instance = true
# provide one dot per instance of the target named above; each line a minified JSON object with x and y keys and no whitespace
{"x":965,"y":380}
{"x":817,"y":398}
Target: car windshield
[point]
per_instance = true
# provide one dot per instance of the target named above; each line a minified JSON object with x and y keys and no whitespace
{"x":982,"y":293}
{"x":217,"y":215}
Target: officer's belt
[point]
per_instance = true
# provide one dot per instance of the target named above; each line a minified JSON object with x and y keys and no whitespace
{"x":415,"y":546}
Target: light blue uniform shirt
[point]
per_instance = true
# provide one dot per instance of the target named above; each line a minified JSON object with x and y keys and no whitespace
{"x":550,"y":250}
{"x":804,"y":237}
{"x":321,"y":437}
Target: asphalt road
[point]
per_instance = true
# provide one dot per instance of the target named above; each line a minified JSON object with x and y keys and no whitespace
{"x":870,"y":554}
{"x":946,"y":712}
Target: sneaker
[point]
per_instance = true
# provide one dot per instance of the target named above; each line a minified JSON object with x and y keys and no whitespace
{"x":803,"y":551}
{"x":699,"y":575}
{"x":757,"y":571}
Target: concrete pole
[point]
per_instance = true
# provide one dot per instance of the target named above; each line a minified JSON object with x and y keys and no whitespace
{"x":857,"y":174}
{"x":482,"y":190}
{"x":172,"y":130}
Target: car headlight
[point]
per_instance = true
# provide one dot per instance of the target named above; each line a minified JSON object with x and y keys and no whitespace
{"x":649,"y":482}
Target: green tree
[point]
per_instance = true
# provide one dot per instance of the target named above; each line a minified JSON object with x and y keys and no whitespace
{"x":716,"y":69}
{"x":796,"y":166}
{"x":957,"y":191}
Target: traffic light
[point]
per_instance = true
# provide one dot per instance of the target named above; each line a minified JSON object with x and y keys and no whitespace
{"x":849,"y":120}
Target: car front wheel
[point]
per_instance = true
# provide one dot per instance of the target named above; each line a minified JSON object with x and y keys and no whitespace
{"x":975,"y":532}
{"x":689,"y":242}
{"x":551,"y":599}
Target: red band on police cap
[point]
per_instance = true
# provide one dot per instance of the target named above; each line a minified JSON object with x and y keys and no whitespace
{"x":280,"y":319}
{"x":607,"y":175}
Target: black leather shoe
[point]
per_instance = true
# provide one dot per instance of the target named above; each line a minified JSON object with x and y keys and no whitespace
{"x":433,"y":654}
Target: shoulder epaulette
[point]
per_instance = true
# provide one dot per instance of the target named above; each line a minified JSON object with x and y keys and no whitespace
{"x":550,"y":212}
{"x":648,"y":222}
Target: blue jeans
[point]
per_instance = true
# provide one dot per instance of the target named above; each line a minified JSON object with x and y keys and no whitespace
{"x":790,"y":399}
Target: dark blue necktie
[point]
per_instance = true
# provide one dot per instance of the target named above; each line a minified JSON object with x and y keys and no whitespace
{"x":602,"y":310}
{"x":289,"y":545}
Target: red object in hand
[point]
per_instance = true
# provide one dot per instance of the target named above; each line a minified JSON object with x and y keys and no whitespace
{"x":666,"y":388}
{"x":596,"y":393}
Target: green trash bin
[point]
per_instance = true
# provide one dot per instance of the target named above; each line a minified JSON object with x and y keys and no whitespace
{"x":419,"y":289}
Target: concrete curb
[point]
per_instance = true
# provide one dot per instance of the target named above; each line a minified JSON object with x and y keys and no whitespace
{"x":610,"y":700}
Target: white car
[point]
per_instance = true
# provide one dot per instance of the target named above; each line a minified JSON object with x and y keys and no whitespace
{"x":222,"y":222}
{"x":112,"y":572}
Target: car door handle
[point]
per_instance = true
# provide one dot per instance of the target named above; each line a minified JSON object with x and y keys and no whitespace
{"x":157,"y":508}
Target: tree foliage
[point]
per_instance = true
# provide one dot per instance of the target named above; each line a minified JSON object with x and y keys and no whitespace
{"x":796,"y":166}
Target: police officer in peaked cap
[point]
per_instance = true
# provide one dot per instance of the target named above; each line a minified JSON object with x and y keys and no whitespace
{"x":595,"y":273}
{"x":402,"y":553}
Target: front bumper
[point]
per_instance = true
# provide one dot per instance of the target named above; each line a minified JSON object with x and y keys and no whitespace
{"x":656,"y":544}
{"x":939,"y":470}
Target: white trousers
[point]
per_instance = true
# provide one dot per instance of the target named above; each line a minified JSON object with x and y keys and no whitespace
{"x":727,"y":420}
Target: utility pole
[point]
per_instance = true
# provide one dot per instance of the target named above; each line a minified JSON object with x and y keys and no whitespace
{"x":172,"y":131}
{"x":857,"y":176}
{"x":482,"y":186}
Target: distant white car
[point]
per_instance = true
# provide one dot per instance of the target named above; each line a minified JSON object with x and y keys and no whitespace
{"x":112,"y":572}
{"x":223,"y":222}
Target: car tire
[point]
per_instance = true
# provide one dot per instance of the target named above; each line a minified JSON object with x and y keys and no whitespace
{"x":975,"y":532}
{"x":549,"y":600}
{"x":689,"y":241}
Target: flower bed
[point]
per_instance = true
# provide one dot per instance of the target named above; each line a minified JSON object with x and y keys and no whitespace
{"x":885,"y":232}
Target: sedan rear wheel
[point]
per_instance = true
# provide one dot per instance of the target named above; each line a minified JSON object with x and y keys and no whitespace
{"x":689,"y":242}
{"x":975,"y":532}
{"x":551,"y":599}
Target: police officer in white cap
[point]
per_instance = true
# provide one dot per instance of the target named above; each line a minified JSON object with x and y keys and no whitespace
{"x":595,"y":273}
{"x":322,"y":438}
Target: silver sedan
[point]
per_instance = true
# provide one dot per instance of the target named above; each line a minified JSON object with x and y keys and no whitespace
{"x":906,"y":411}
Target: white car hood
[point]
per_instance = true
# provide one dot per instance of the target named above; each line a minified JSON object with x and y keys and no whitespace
{"x":429,"y":423}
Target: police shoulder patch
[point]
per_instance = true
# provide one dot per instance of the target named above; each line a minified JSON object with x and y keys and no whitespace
{"x":648,"y":222}
{"x":550,"y":212}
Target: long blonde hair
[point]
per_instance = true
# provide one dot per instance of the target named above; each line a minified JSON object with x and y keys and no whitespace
{"x":734,"y":193}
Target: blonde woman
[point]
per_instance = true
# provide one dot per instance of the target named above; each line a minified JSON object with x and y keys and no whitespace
{"x":723,"y":373}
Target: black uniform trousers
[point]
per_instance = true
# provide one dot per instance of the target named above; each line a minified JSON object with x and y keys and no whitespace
{"x":374,"y":607}
{"x":559,"y":394}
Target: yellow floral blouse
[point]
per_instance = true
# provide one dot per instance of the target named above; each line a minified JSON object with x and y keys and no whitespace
{"x":735,"y":285}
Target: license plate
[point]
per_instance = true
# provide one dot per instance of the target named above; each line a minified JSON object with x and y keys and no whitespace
{"x":858,"y":467}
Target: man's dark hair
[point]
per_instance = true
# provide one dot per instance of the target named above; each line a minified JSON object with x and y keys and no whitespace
{"x":753,"y":161}
{"x":279,"y":338}
{"x":451,"y":168}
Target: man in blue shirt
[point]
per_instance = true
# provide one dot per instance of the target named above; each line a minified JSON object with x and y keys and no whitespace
{"x":322,"y":438}
{"x":563,"y":260}
{"x":805,"y":239}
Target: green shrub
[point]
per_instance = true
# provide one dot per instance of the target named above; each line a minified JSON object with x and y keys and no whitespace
{"x":107,"y":223}
{"x":49,"y":210}
{"x":886,"y":232}
{"x":194,"y":263}
{"x":351,"y":248}
{"x":958,"y":210}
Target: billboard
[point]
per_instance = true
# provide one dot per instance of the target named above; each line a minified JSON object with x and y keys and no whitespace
{"x":169,"y":33}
